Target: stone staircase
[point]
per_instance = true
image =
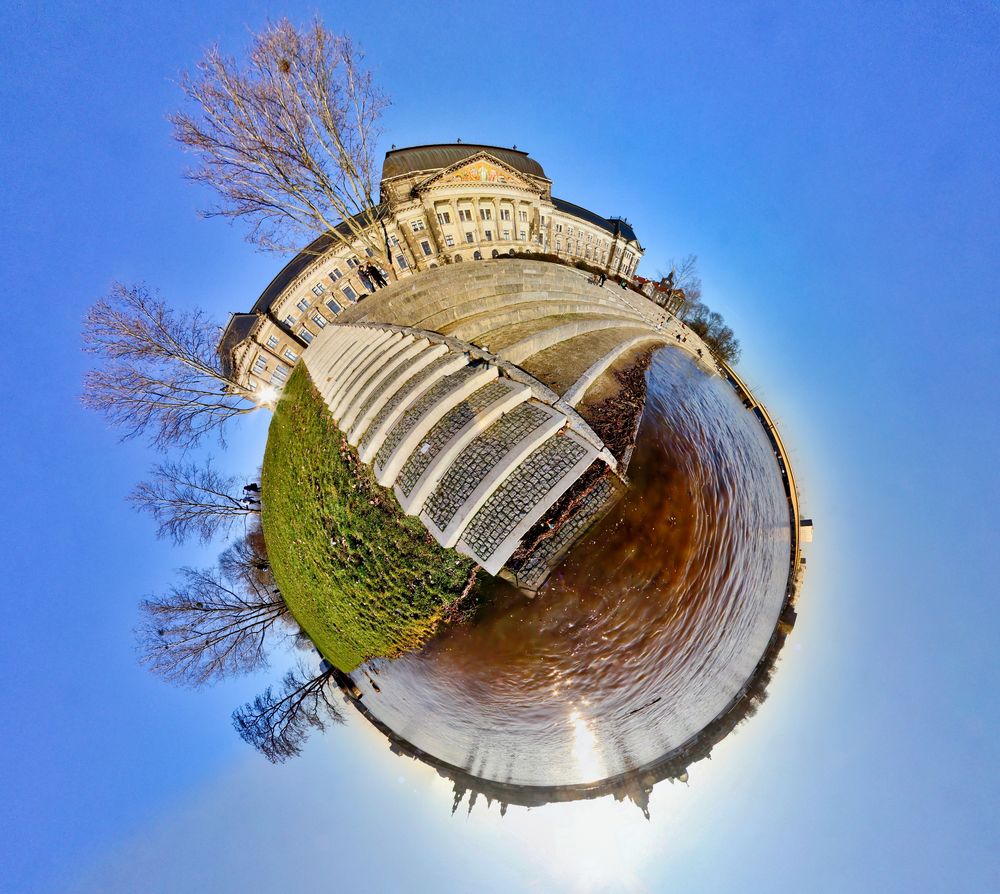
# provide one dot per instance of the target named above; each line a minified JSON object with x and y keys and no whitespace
{"x":477,"y":455}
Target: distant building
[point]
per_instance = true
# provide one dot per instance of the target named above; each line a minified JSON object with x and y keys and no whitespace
{"x":448,"y":203}
{"x":662,"y":293}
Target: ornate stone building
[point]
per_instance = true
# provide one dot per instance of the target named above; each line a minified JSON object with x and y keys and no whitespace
{"x":448,"y":203}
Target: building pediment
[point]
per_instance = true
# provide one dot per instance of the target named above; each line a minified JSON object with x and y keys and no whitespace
{"x":483,"y":169}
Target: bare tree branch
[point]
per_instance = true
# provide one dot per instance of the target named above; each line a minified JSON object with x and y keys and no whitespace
{"x":287,"y":138}
{"x":160,"y":372}
{"x":187,"y":499}
{"x":278,"y":723}
{"x":208,"y":627}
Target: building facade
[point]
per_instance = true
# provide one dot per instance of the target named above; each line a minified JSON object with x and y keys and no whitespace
{"x":447,"y":204}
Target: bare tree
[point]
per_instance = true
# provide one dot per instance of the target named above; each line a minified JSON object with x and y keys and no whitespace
{"x":246,"y":560}
{"x":208,"y":627}
{"x":187,"y":498}
{"x":287,"y":139}
{"x":706,"y":323}
{"x":278,"y":723}
{"x":684,"y":277}
{"x":710,"y":326}
{"x":160,"y":372}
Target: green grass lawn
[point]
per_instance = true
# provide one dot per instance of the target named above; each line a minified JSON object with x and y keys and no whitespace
{"x":362,"y":579}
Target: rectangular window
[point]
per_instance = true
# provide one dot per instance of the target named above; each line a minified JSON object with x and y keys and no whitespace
{"x":289,"y":321}
{"x":401,"y":261}
{"x":558,"y":243}
{"x":278,"y":376}
{"x":349,"y":293}
{"x":522,"y":235}
{"x":569,"y":231}
{"x":260,"y":365}
{"x":486,"y":214}
{"x":469,"y":237}
{"x":505,"y":214}
{"x":335,"y":274}
{"x":352,"y":262}
{"x":506,"y":234}
{"x":465,"y":214}
{"x":303,"y":304}
{"x":426,"y":246}
{"x":558,"y":228}
{"x":369,"y":253}
{"x":333,"y":306}
{"x":444,"y":217}
{"x":318,"y":289}
{"x":305,"y":335}
{"x":449,"y":241}
{"x":291,"y":355}
{"x":522,"y":216}
{"x":394,"y":240}
{"x":488,"y":235}
{"x":543,"y":220}
{"x":416,"y":225}
{"x":319,"y":320}
{"x":272,"y":342}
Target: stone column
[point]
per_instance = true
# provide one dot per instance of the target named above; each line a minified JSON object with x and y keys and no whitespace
{"x":415,"y":252}
{"x":433,"y":227}
{"x":478,"y":221}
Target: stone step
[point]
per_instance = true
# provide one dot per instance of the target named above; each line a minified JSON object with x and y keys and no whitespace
{"x":411,"y":427}
{"x":321,"y":353}
{"x":366,"y":396}
{"x":561,"y":366}
{"x":471,"y":305}
{"x":390,"y":385}
{"x":526,"y":494}
{"x":482,"y":466}
{"x":345,"y":375}
{"x":408,"y":301}
{"x":576,"y":392}
{"x":523,"y":349}
{"x":446,"y":439}
{"x":469,"y":328}
{"x":376,"y":362}
{"x":355,"y":341}
{"x":403,"y":399}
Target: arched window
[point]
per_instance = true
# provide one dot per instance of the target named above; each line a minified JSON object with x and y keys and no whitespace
{"x":496,"y":254}
{"x":478,"y":256}
{"x":458,"y":259}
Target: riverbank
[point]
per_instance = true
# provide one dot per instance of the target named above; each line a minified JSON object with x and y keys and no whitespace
{"x":361,"y":578}
{"x":636,"y":783}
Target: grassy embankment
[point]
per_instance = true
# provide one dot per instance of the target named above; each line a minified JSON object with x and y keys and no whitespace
{"x":363,"y":579}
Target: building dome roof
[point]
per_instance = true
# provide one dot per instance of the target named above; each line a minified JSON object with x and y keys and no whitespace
{"x":441,"y":155}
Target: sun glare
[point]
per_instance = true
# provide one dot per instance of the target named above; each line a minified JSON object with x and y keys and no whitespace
{"x":586,"y":754}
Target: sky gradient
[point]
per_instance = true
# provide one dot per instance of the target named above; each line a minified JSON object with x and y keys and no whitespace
{"x":836,"y":169}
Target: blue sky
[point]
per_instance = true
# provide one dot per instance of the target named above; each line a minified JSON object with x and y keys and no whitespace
{"x":836,"y":169}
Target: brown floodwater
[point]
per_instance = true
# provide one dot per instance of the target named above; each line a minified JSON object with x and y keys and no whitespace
{"x":642,"y":636}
